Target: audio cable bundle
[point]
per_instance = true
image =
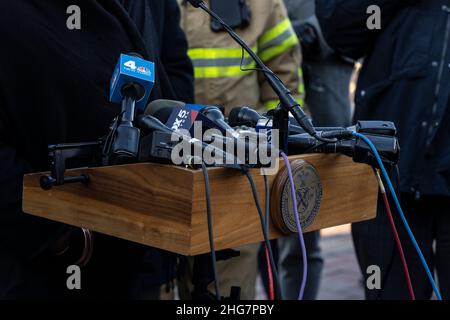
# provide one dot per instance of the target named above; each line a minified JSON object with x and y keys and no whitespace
{"x":401,"y":214}
{"x":398,"y":242}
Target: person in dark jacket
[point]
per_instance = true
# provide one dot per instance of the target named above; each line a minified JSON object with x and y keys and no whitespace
{"x":54,"y":88}
{"x":405,"y":78}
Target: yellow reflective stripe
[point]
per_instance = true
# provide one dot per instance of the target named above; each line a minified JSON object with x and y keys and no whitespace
{"x":219,"y":62}
{"x":219,"y":72}
{"x":301,"y":89}
{"x":216,"y":53}
{"x":301,"y":84}
{"x":272,"y":104}
{"x":275,"y":31}
{"x":273,"y":52}
{"x":300,"y":101}
{"x":277,"y":40}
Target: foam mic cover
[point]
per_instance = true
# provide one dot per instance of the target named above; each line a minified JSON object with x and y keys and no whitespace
{"x":162,"y":108}
{"x":178,"y":115}
{"x":241,"y":116}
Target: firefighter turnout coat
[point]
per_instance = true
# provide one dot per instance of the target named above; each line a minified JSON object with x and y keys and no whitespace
{"x":218,"y":63}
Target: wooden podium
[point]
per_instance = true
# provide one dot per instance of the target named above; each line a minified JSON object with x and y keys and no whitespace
{"x":164,"y":206}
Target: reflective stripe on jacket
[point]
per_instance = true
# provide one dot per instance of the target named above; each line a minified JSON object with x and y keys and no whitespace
{"x":224,"y":74}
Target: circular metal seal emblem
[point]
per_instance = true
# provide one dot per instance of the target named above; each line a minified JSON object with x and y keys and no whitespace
{"x":308,"y":192}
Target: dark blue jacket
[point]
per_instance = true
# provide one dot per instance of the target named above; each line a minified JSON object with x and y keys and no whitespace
{"x":54,"y":88}
{"x":405,"y":78}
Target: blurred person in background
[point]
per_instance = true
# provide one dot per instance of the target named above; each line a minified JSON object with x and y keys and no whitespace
{"x":405,"y":78}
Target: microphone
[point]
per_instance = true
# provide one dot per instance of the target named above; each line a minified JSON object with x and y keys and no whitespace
{"x":178,"y":115}
{"x":287,"y":101}
{"x":244,"y":116}
{"x":184,"y":115}
{"x":149,"y":124}
{"x":216,"y":116}
{"x":134,"y":77}
{"x":250,"y":148}
{"x":161,"y":140}
{"x":162,"y":108}
{"x":131,"y":85}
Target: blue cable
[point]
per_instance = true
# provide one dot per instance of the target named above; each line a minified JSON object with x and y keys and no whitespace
{"x":400,"y":211}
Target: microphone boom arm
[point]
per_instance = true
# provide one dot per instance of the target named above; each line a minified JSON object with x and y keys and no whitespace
{"x":287,"y":101}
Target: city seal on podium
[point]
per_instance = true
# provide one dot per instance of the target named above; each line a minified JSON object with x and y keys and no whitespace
{"x":308,"y":191}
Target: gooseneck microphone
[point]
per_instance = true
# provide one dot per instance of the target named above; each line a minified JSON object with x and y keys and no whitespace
{"x":178,"y":115}
{"x":287,"y":101}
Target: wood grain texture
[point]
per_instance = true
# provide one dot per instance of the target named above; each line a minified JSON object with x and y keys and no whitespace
{"x":148,"y":204}
{"x":349,"y":195}
{"x":165,"y":207}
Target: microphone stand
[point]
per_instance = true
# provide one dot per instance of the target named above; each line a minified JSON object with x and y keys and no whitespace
{"x":288,"y":104}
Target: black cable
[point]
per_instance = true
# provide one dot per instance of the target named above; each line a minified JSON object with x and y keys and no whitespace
{"x":312,"y":148}
{"x":265,"y":234}
{"x":210,"y":230}
{"x":268,"y":71}
{"x":235,"y":37}
{"x":274,"y":81}
{"x":111,"y":135}
{"x":324,"y":140}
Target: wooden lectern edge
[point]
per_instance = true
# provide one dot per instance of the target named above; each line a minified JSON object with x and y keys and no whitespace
{"x":193,"y":240}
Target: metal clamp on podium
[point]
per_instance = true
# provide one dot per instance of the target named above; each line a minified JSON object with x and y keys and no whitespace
{"x":60,"y":153}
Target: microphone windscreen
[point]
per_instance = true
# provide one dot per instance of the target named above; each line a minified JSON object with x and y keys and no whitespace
{"x":163,"y":114}
{"x":243,"y":116}
{"x":156,"y":106}
{"x":234,"y":116}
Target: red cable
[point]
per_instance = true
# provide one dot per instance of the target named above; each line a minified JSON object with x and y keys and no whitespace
{"x":270,"y":276}
{"x":399,"y":245}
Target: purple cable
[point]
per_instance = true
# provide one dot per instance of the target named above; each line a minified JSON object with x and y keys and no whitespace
{"x":299,"y":227}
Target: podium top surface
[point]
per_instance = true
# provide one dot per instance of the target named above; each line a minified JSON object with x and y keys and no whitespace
{"x":165,"y":207}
